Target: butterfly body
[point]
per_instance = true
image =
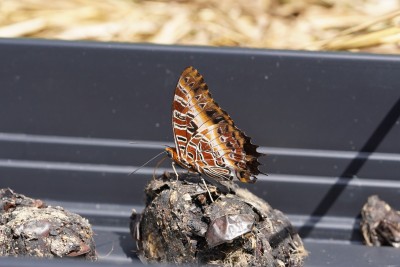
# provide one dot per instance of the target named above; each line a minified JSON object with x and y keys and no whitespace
{"x":206,"y":138}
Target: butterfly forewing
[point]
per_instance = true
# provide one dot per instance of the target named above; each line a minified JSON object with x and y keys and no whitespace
{"x":206,"y":138}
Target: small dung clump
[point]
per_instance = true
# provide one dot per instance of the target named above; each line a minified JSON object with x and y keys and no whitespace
{"x":380,"y":223}
{"x":28,"y":227}
{"x":182,"y":225}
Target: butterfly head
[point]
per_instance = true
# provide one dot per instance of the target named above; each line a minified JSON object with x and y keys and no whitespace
{"x":171,"y":153}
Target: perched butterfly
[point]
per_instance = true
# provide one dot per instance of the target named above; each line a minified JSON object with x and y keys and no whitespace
{"x":206,"y":138}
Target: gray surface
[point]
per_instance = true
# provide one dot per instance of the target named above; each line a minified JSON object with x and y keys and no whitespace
{"x":68,"y":111}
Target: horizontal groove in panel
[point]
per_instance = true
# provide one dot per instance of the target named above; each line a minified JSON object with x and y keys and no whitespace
{"x":76,"y":150}
{"x":314,"y":166}
{"x":326,"y":222}
{"x":119,"y":229}
{"x":102,"y":142}
{"x":280,"y":178}
{"x":85,"y":141}
{"x":46,"y":165}
{"x":356,"y":182}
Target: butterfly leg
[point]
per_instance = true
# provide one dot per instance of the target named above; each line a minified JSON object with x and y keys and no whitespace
{"x":176,"y":173}
{"x":209,"y":193}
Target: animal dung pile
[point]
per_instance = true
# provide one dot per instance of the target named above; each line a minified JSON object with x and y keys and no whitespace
{"x":28,"y":227}
{"x":181,"y":224}
{"x":380,"y":223}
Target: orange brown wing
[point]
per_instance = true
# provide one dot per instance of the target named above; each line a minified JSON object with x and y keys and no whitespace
{"x":206,"y":138}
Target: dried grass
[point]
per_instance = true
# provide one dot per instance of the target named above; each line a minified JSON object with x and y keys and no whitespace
{"x":358,"y":25}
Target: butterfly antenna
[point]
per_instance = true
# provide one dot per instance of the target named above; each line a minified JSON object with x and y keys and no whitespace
{"x":158,"y":164}
{"x":140,"y":142}
{"x":147,"y":162}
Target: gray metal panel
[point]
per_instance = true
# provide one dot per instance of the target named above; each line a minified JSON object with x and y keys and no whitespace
{"x":282,"y":99}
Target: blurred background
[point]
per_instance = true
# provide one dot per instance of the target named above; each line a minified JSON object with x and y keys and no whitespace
{"x":351,"y":25}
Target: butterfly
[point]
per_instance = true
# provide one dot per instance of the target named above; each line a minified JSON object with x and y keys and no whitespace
{"x":206,"y":138}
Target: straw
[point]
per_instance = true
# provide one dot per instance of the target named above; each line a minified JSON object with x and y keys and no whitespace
{"x":358,"y":25}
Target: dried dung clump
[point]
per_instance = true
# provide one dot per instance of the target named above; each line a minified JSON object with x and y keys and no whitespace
{"x":28,"y":227}
{"x":181,"y":225}
{"x":380,"y":224}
